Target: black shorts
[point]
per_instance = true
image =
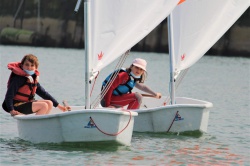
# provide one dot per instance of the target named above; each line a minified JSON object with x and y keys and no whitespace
{"x":25,"y":108}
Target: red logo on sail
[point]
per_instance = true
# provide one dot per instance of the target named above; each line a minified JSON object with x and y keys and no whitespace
{"x":181,"y":1}
{"x":183,"y":57}
{"x":100,"y":56}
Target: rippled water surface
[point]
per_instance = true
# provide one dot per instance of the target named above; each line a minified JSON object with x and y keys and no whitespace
{"x":224,"y":81}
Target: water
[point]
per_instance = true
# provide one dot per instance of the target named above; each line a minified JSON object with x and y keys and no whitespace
{"x":223,"y":81}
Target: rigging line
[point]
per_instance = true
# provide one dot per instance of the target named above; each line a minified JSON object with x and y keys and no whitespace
{"x":105,"y":89}
{"x":114,"y":74}
{"x":118,"y":66}
{"x":94,"y":84}
{"x":111,"y":80}
{"x":96,"y":100}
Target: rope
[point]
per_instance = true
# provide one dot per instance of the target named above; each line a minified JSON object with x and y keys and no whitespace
{"x":105,"y":89}
{"x":114,"y":133}
{"x":94,"y":84}
{"x":120,"y":63}
{"x":172,"y":121}
{"x":111,"y":80}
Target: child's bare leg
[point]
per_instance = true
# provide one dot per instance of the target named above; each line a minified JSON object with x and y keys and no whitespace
{"x":49,"y":103}
{"x":40,"y":108}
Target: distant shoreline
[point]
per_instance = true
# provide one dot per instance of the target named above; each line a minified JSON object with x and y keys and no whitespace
{"x":69,"y":34}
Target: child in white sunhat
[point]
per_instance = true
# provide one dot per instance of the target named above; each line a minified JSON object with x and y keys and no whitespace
{"x":120,"y":92}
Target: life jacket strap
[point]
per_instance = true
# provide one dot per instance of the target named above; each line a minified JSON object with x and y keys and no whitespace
{"x":30,"y":97}
{"x":31,"y":79}
{"x":21,"y":94}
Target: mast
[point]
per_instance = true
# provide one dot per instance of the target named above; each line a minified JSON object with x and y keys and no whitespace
{"x":87,"y":32}
{"x":38,"y":16}
{"x":171,"y":56}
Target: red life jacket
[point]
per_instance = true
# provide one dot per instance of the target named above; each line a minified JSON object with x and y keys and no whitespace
{"x":28,"y":90}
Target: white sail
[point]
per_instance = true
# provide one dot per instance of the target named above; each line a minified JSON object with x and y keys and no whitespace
{"x":198,"y":24}
{"x":117,"y":25}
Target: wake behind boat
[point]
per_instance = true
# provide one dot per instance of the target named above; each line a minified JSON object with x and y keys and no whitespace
{"x":78,"y":125}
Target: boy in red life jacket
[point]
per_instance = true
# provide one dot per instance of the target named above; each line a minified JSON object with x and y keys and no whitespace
{"x":119,"y":94}
{"x":23,"y":84}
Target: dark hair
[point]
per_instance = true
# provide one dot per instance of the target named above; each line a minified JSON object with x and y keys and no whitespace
{"x":31,"y":58}
{"x":143,"y":76}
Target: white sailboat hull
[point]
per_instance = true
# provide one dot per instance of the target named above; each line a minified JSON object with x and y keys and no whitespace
{"x":186,"y":115}
{"x":75,"y":126}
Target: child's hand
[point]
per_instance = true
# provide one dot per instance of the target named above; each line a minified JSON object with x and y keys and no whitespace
{"x":158,"y":96}
{"x":64,"y":108}
{"x":14,"y":112}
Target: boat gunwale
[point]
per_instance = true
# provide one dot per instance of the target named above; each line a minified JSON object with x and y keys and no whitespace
{"x":202,"y":104}
{"x":82,"y":111}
